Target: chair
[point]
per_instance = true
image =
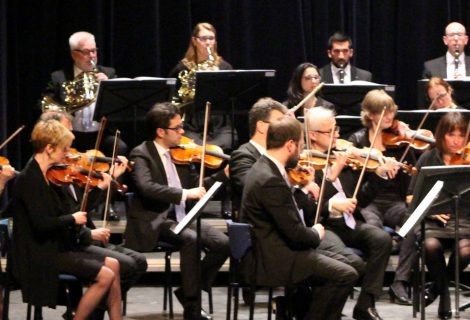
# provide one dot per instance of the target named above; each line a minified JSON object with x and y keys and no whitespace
{"x":65,"y":281}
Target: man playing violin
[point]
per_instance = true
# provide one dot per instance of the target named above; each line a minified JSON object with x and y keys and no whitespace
{"x":285,"y":247}
{"x":164,"y":192}
{"x":341,"y":215}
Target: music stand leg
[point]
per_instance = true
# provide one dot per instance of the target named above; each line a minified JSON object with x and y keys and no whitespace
{"x":199,"y":271}
{"x":422,"y":303}
{"x":455,"y":207}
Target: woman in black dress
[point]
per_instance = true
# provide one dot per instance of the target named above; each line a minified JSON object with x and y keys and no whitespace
{"x":450,"y":138}
{"x":46,"y":240}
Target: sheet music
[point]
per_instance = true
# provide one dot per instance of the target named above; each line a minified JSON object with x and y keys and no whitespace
{"x":195,"y":210}
{"x":421,"y":209}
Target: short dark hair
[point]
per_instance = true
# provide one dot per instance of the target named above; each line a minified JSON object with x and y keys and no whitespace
{"x":449,"y":122}
{"x":339,"y":36}
{"x":261,"y":111}
{"x":159,"y":117}
{"x":283,"y":130}
{"x":295,"y":94}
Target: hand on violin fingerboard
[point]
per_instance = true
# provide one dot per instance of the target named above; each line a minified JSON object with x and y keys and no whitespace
{"x":80,"y":217}
{"x":196,"y":193}
{"x":388,"y":168}
{"x":313,"y":189}
{"x":119,"y":167}
{"x":105,"y":181}
{"x":7,"y":172}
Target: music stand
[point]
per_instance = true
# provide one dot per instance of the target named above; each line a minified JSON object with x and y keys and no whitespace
{"x":414,"y":117}
{"x":194,"y":213}
{"x":123,"y":100}
{"x":232,"y":92}
{"x":347,"y":97}
{"x":461,"y":93}
{"x":454,"y":194}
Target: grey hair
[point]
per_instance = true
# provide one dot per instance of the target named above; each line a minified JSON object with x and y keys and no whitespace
{"x":75,"y":38}
{"x":317,"y":115}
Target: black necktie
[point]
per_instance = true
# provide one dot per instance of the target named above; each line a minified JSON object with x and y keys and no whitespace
{"x":341,"y":75}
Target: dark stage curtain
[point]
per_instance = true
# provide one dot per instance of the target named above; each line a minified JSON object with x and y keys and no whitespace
{"x":392,"y":39}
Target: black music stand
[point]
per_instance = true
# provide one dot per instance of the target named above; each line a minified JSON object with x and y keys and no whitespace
{"x":461,"y":93}
{"x":194,"y":213}
{"x":126,"y":101}
{"x":347,"y":97}
{"x":232,"y":92}
{"x":454,"y":194}
{"x":414,"y":117}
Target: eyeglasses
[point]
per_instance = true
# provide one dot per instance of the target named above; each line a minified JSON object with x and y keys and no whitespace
{"x":337,"y":128}
{"x":458,"y":34}
{"x":205,"y":38}
{"x":176,"y":129}
{"x":86,"y":52}
{"x":310,"y":78}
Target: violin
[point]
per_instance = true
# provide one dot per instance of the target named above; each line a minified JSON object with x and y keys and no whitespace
{"x":462,"y":157}
{"x":189,"y":152}
{"x":418,"y":139}
{"x":61,"y":174}
{"x":300,"y":175}
{"x":101,"y":163}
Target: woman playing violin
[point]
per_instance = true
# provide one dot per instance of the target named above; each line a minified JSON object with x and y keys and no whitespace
{"x":304,"y":80}
{"x":46,"y":235}
{"x":388,"y":207}
{"x":450,"y":138}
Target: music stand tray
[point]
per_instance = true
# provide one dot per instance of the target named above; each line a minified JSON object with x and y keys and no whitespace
{"x":232,"y":92}
{"x":124,"y":100}
{"x":347,"y":97}
{"x":455,"y":193}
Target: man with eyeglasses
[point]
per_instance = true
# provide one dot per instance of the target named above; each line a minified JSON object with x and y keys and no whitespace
{"x":164,"y":193}
{"x":339,"y":70}
{"x":454,"y":64}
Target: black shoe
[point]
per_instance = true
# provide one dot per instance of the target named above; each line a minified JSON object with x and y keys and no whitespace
{"x":189,"y":311}
{"x":445,"y":315}
{"x":281,"y":308}
{"x":248,"y":296}
{"x":429,"y":293}
{"x":398,"y":294}
{"x":444,"y":306}
{"x":368,"y":314}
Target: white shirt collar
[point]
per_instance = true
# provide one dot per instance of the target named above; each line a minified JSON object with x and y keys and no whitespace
{"x":279,"y":165}
{"x":160,"y":149}
{"x":260,"y":148}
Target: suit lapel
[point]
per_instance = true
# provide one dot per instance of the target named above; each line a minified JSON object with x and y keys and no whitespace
{"x":157,"y":162}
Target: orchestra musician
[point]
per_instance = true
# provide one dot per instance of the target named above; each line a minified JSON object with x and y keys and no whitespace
{"x":202,"y":54}
{"x":46,"y":240}
{"x":441,"y":91}
{"x":132,"y":264}
{"x":450,"y":138}
{"x":305,"y":78}
{"x":284,"y":245}
{"x":340,"y":210}
{"x":454,"y":64}
{"x":388,"y":208}
{"x":84,"y":54}
{"x":164,"y":192}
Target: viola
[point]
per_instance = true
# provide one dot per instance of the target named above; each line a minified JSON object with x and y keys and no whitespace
{"x":85,"y":159}
{"x":60,"y":174}
{"x":189,"y":152}
{"x":418,"y":139}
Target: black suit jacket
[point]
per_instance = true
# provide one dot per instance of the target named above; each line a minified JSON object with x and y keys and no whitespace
{"x":356,"y":74}
{"x":438,"y":67}
{"x":54,"y":88}
{"x":280,"y":237}
{"x":241,"y":161}
{"x":153,"y":195}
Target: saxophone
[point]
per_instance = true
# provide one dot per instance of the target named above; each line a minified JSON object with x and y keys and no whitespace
{"x":187,"y":79}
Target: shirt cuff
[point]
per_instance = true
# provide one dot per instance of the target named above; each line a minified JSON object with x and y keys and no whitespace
{"x":184,"y":196}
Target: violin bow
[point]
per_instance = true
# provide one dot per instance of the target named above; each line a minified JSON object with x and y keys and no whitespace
{"x":413,"y":138}
{"x":97,"y":145}
{"x":323,"y":180}
{"x":311,"y":94}
{"x":361,"y":176}
{"x":108,"y":193}
{"x":204,"y":142}
{"x":14,"y":134}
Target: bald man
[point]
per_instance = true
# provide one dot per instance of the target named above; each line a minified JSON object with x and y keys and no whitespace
{"x":454,"y":64}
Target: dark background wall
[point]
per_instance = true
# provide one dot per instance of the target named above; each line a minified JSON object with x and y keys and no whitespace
{"x":147,"y":38}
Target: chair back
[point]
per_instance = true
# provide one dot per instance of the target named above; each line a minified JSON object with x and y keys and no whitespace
{"x":240,"y":240}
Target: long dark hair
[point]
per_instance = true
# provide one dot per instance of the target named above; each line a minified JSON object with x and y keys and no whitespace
{"x":451,"y":121}
{"x":295,"y":94}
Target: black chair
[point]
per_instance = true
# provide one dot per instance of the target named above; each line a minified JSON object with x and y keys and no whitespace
{"x":66,"y":282}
